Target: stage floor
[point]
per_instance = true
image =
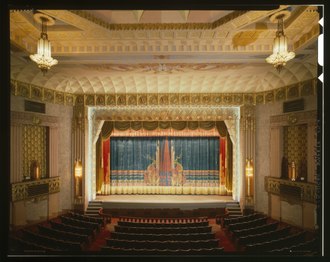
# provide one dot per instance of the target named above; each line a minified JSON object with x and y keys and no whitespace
{"x":164,"y":201}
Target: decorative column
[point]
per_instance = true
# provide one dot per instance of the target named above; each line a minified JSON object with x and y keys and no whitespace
{"x":78,"y":155}
{"x":248,"y":127}
{"x":53,"y":151}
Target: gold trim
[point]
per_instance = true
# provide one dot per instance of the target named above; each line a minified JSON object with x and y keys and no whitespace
{"x":38,"y":93}
{"x":19,"y":191}
{"x":308,"y":190}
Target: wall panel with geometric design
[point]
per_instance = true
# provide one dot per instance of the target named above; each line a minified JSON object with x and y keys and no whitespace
{"x":295,"y":147}
{"x":35,"y":148}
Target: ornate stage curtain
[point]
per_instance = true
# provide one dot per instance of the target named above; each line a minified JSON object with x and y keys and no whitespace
{"x":160,"y":161}
{"x":190,"y":185}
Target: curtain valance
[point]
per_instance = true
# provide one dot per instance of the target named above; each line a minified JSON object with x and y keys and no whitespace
{"x":108,"y":126}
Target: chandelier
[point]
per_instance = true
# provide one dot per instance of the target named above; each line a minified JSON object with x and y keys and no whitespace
{"x":43,"y":57}
{"x":280,"y":55}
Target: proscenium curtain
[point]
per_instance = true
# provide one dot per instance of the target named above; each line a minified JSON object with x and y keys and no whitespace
{"x":198,"y":157}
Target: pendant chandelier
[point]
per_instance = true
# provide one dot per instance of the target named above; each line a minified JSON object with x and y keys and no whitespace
{"x":43,"y":57}
{"x":280,"y":55}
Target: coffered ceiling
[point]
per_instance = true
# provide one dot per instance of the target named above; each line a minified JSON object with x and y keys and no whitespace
{"x":183,"y":51}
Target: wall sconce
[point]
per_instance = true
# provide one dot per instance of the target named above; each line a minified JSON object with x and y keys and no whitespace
{"x":78,"y":176}
{"x":280,"y":47}
{"x":249,"y":173}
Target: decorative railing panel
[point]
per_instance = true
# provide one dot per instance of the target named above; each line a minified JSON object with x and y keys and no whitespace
{"x":35,"y":188}
{"x":286,"y":187}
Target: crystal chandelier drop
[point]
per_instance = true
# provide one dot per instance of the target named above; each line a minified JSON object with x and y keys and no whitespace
{"x":280,"y":55}
{"x":43,"y":57}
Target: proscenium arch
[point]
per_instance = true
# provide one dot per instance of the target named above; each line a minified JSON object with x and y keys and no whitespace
{"x":97,"y":115}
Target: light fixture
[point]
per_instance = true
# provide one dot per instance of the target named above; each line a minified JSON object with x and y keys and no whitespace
{"x":78,"y":169}
{"x":280,"y":55}
{"x":43,"y":57}
{"x":249,"y":173}
{"x":78,"y":176}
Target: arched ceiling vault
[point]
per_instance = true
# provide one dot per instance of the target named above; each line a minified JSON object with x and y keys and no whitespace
{"x":144,"y":51}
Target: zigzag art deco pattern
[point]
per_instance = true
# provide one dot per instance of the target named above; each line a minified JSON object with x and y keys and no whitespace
{"x":42,"y":94}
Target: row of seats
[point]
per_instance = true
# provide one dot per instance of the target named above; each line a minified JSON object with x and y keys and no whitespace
{"x":168,"y":252}
{"x":18,"y":244}
{"x":162,"y":237}
{"x":248,"y":224}
{"x":255,"y":230}
{"x":80,"y":223}
{"x":164,"y":212}
{"x":209,"y":243}
{"x":72,"y":229}
{"x":227,"y":221}
{"x":163,"y":230}
{"x":50,"y":241}
{"x":166,"y":224}
{"x":60,"y":234}
{"x":305,"y":247}
{"x":156,"y":220}
{"x":277,"y":243}
{"x":265,"y":236}
{"x":82,"y":217}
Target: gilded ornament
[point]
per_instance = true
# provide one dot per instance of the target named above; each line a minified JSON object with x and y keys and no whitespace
{"x":36,"y":92}
{"x":248,"y":99}
{"x":280,"y":94}
{"x":174,"y":99}
{"x":293,"y":91}
{"x":132,"y":100}
{"x":111,"y":100}
{"x":260,"y":99}
{"x":206,"y":99}
{"x":238,"y":99}
{"x":195,"y":99}
{"x":227,"y":99}
{"x":24,"y":91}
{"x":153,"y":100}
{"x":185,"y":100}
{"x":121,"y":100}
{"x":163,"y":100}
{"x":306,"y":89}
{"x":80,"y":100}
{"x":49,"y":95}
{"x":89,"y":100}
{"x":59,"y":98}
{"x":142,"y":100}
{"x":292,"y":119}
{"x":269,"y":97}
{"x":217,"y":99}
{"x":69,"y":100}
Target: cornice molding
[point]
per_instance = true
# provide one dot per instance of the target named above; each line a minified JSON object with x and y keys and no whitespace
{"x":160,"y":26}
{"x":301,"y":89}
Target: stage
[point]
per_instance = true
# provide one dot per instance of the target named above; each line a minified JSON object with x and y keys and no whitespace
{"x":183,"y":202}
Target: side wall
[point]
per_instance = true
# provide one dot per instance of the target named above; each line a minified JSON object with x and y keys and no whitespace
{"x":33,"y":211}
{"x":272,"y":205}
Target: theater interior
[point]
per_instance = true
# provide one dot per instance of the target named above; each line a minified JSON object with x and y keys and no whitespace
{"x":188,"y":131}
